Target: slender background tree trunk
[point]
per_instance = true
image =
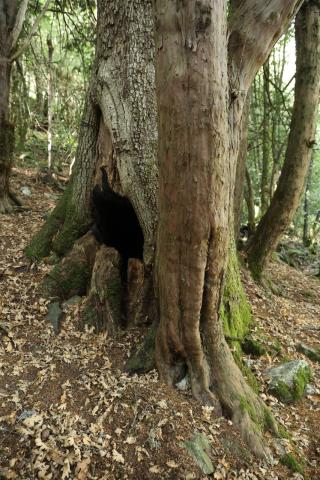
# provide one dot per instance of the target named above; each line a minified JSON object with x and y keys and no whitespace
{"x":306,"y":227}
{"x":12,"y":17}
{"x":265,"y":174}
{"x":241,"y":169}
{"x":300,"y":143}
{"x":50,"y":101}
{"x":250,"y":203}
{"x":6,"y":136}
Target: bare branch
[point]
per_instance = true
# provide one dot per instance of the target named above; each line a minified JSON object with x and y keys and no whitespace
{"x":255,"y":27}
{"x":34,"y":27}
{"x":18,"y":23}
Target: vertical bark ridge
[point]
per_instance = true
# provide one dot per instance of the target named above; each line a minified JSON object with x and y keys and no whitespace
{"x":193,"y":213}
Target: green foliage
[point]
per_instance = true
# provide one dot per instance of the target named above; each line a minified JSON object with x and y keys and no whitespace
{"x":270,"y":114}
{"x":72,"y":30}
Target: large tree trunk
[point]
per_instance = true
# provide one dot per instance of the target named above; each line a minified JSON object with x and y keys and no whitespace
{"x":6,"y":138}
{"x":198,"y":147}
{"x":118,"y":129}
{"x":194,"y":209}
{"x":195,"y":198}
{"x":6,"y":128}
{"x":118,"y":132}
{"x":300,"y":143}
{"x":196,"y":192}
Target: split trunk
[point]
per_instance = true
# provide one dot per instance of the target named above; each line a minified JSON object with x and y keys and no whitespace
{"x":300,"y":142}
{"x":198,"y":147}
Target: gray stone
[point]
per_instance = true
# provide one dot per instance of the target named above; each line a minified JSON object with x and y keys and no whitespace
{"x":26,"y":414}
{"x":26,"y":191}
{"x":184,"y":384}
{"x":71,"y":301}
{"x":54,"y":316}
{"x":311,"y":390}
{"x":199,"y":448}
{"x":289,"y":380}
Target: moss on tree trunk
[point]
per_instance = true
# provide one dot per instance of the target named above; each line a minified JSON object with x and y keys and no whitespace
{"x":41,"y":244}
{"x":235,"y":309}
{"x":72,"y":275}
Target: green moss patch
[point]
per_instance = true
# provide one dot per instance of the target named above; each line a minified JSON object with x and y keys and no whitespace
{"x":312,"y":353}
{"x":253,"y":347}
{"x":235,"y":310}
{"x":290,"y":461}
{"x":41,"y":244}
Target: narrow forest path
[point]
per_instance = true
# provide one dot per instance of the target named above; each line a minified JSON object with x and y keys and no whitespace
{"x":67,"y":411}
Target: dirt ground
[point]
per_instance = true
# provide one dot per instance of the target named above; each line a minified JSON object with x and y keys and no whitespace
{"x":67,"y":410}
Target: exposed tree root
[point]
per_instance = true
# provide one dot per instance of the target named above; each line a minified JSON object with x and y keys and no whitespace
{"x":8,"y":202}
{"x":102,"y":308}
{"x":72,"y":275}
{"x":143,"y":360}
{"x":239,"y":402}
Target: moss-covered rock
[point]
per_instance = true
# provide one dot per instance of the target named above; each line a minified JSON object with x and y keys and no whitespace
{"x":289,"y":380}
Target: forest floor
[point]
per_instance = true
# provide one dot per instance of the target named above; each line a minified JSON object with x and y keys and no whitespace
{"x":67,"y":410}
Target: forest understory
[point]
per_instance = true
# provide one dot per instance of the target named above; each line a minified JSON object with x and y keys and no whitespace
{"x":68,"y":411}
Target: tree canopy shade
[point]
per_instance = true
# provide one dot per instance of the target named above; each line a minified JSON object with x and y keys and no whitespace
{"x":203,"y":75}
